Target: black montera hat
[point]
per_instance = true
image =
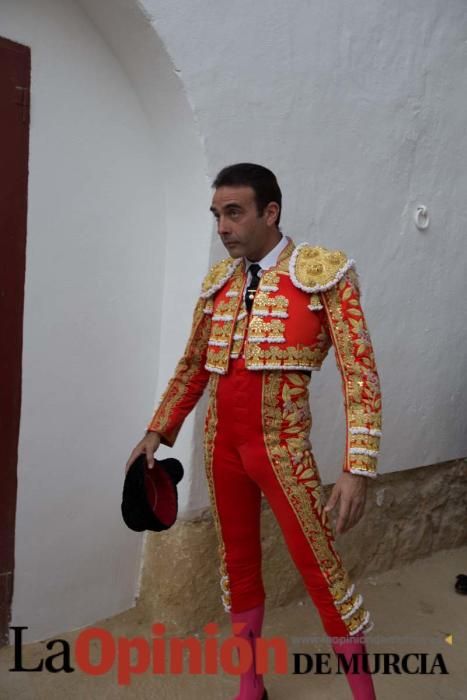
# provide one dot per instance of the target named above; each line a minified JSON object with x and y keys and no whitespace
{"x":150,"y":498}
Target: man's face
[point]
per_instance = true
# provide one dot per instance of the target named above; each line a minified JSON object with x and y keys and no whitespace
{"x":242,"y":230}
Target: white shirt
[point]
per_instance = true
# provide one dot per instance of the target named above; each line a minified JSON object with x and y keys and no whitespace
{"x":269,"y":260}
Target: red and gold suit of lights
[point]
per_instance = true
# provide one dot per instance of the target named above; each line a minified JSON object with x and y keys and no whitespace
{"x":257,"y":367}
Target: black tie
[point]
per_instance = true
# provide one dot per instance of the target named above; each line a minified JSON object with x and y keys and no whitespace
{"x":250,"y":292}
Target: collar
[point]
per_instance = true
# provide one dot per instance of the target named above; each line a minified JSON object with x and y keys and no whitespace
{"x":270,"y":259}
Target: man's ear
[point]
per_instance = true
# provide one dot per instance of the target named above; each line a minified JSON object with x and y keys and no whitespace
{"x":272,"y":212}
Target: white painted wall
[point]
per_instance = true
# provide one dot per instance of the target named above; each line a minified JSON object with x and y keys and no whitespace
{"x":359,"y":108}
{"x":105,"y":145}
{"x":185,"y":237}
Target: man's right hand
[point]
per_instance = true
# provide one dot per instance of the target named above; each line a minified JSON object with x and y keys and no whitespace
{"x":148,"y":445}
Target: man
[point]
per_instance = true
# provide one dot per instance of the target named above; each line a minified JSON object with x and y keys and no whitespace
{"x":265,"y":319}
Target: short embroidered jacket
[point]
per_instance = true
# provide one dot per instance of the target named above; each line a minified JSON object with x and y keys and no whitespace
{"x":309,"y":301}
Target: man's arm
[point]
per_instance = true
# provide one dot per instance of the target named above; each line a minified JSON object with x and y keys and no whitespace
{"x":360,"y":382}
{"x":188,"y":381}
{"x":362,"y":398}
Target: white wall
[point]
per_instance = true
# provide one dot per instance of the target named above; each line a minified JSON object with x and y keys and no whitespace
{"x":359,"y":108}
{"x":185,"y":237}
{"x":97,"y":249}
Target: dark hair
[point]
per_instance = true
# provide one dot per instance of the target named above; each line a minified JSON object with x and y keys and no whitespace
{"x":259,"y":178}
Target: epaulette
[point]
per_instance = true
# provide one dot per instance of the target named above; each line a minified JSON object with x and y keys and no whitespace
{"x":316,"y":269}
{"x":218,"y":275}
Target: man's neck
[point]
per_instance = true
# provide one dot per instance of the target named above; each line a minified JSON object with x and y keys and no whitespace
{"x":270,"y":245}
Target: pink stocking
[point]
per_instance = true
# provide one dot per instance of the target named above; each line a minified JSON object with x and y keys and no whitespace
{"x":360,"y":681}
{"x":251,"y":684}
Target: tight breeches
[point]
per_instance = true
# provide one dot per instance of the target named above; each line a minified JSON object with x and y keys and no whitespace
{"x":257,"y":441}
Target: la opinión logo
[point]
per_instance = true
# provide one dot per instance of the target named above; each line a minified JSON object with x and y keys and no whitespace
{"x":158,"y":656}
{"x":234,"y":655}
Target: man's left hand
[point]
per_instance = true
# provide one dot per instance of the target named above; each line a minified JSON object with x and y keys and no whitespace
{"x":351,"y":490}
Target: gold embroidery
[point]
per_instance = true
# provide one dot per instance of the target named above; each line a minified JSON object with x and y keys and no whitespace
{"x":208,"y":306}
{"x":240,"y":326}
{"x":209,"y":437}
{"x":270,"y":277}
{"x":239,"y":331}
{"x":315,"y":267}
{"x":223,"y":330}
{"x":286,"y":427}
{"x":218,"y":275}
{"x":367,"y":442}
{"x":188,"y":366}
{"x":364,"y":463}
{"x":276,"y":357}
{"x":356,"y":362}
{"x":315,"y":302}
{"x":220,"y":331}
{"x":217,"y":359}
{"x":284,"y":258}
{"x":237,"y":346}
{"x":263,"y":302}
{"x":225,"y":307}
{"x":258,"y":328}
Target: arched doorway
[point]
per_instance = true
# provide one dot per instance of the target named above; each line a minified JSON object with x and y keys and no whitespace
{"x":112,"y":145}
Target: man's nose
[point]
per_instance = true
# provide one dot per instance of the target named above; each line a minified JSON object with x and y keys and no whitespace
{"x":222,"y":225}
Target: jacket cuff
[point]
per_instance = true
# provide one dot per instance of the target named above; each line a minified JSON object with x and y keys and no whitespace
{"x":168,"y":437}
{"x":362,"y":468}
{"x":363,"y":450}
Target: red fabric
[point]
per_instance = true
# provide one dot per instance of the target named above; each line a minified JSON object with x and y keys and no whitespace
{"x":161,"y":496}
{"x":241,"y":470}
{"x":301,"y":327}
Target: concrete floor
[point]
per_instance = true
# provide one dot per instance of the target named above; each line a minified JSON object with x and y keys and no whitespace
{"x":413,"y":607}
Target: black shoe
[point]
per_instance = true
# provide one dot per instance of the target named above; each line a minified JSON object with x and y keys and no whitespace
{"x":265,"y":695}
{"x":461,"y":584}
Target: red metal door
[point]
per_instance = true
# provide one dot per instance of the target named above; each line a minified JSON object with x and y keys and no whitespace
{"x":15,"y":68}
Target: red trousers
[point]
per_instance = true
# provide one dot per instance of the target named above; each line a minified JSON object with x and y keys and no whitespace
{"x":257,"y":441}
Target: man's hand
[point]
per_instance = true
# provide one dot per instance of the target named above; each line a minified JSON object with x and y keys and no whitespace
{"x":147,"y":445}
{"x":351,"y":490}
